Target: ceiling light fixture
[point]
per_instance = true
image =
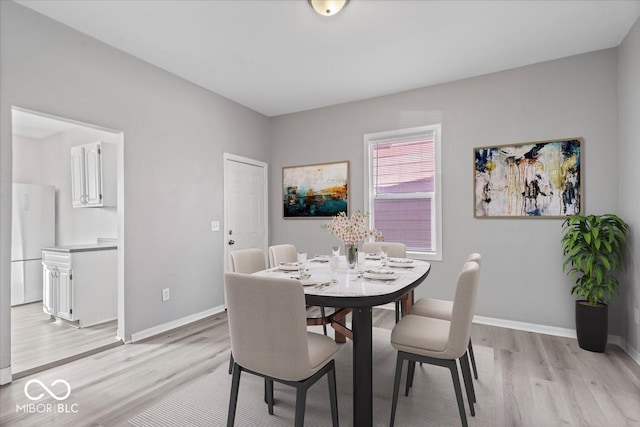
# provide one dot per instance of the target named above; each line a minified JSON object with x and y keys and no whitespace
{"x":328,"y":7}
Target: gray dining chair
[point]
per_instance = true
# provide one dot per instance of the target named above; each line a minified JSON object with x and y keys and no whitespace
{"x":288,"y":354}
{"x":440,"y":342}
{"x":441,"y":309}
{"x":394,"y":250}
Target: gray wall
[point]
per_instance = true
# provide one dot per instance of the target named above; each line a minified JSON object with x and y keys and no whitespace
{"x":629,"y":176}
{"x":522,"y":275}
{"x":174,"y":137}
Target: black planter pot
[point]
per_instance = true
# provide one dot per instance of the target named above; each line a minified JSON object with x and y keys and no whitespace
{"x":592,"y":326}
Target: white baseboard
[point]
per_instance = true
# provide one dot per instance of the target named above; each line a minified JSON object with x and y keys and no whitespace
{"x":137,"y":336}
{"x":5,"y":375}
{"x":524,"y":326}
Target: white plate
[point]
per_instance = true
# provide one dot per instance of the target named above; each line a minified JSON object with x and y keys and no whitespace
{"x":288,"y":266}
{"x":400,"y":262}
{"x":322,"y":258}
{"x":380,"y":274}
{"x":374,"y":255}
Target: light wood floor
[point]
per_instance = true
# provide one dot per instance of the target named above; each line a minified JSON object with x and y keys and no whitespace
{"x":539,"y":380}
{"x":39,"y":343}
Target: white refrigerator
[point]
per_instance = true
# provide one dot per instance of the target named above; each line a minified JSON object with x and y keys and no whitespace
{"x":32,"y":228}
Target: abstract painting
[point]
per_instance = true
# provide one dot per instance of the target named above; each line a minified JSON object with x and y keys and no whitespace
{"x":315,"y":191}
{"x":533,"y":179}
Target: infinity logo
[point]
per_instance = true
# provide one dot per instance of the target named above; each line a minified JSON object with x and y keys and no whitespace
{"x":52,"y":394}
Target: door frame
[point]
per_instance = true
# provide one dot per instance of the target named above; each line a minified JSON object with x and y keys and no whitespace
{"x":227,"y":157}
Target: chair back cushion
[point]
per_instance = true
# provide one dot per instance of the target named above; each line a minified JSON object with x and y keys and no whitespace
{"x":247,"y":261}
{"x":267,"y":325}
{"x":463,"y":309}
{"x":394,"y":249}
{"x":282,"y":253}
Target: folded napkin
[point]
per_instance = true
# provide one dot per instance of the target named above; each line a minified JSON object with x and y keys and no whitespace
{"x":379,"y":271}
{"x":401,"y":260}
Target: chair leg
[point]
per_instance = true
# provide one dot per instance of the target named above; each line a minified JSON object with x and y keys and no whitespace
{"x":333,"y":394}
{"x":453,"y":367}
{"x":468,"y":383}
{"x":301,"y":397}
{"x":473,"y":360}
{"x":397,"y":311}
{"x":324,"y":325}
{"x":268,"y":394}
{"x":396,"y":388}
{"x":411,"y":370}
{"x":233,"y":399}
{"x":230,"y":364}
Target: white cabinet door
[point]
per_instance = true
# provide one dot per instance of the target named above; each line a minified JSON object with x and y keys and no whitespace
{"x":65,"y":294}
{"x":77,"y":177}
{"x":48,"y":289}
{"x":94,"y":175}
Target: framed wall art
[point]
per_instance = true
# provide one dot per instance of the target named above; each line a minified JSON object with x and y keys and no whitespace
{"x":315,"y":191}
{"x":541,"y":179}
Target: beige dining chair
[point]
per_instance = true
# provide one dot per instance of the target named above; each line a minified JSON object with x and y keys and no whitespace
{"x":282,"y":253}
{"x":441,"y":309}
{"x":394,"y":250}
{"x":289,"y":253}
{"x":288,"y":354}
{"x":247,"y":261}
{"x":440,"y":342}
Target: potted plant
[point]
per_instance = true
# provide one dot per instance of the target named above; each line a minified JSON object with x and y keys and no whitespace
{"x":593,"y":246}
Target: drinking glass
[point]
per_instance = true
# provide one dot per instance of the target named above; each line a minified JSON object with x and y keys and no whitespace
{"x":302,"y":260}
{"x":361,"y":255}
{"x":335,"y":250}
{"x":383,"y":255}
{"x":334,"y":264}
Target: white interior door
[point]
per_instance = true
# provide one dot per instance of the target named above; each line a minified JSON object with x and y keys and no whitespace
{"x":246,"y":204}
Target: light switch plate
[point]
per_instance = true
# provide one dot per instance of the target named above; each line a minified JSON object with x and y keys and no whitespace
{"x":215,"y":225}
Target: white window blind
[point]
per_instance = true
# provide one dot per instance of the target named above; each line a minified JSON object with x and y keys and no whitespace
{"x":403,"y":178}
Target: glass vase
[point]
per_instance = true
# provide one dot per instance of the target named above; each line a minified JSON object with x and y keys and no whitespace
{"x":351,"y":252}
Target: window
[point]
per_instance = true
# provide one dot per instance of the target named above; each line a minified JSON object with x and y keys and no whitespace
{"x":404,"y":190}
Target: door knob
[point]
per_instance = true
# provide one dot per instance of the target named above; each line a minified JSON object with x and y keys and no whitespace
{"x":232,"y":242}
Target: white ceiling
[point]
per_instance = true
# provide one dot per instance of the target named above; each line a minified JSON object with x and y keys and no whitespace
{"x":279,"y":56}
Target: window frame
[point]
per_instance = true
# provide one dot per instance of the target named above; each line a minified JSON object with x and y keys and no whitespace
{"x":406,"y":135}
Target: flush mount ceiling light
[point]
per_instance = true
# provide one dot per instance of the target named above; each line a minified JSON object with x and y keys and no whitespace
{"x":328,"y":7}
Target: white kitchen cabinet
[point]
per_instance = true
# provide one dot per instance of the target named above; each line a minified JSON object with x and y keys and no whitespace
{"x":94,"y":175}
{"x":80,"y":283}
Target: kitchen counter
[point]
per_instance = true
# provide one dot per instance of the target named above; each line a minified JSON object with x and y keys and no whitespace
{"x":83,"y":248}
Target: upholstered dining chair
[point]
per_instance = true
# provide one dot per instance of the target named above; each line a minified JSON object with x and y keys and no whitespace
{"x":440,"y":342}
{"x":282,"y":253}
{"x":394,"y":250}
{"x":288,"y":354}
{"x":441,"y":309}
{"x":289,"y":253}
{"x":246,"y":261}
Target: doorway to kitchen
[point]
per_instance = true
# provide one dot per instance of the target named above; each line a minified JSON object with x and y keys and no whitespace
{"x":67,"y":235}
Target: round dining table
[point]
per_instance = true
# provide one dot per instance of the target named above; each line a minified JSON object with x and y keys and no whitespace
{"x":359,"y":289}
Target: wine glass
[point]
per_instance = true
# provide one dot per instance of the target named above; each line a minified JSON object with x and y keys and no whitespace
{"x":302,"y":261}
{"x":335,"y":251}
{"x":383,"y":255}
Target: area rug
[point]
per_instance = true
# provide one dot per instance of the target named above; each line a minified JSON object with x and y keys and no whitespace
{"x":204,"y":402}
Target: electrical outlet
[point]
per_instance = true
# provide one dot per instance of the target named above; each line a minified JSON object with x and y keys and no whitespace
{"x":636,"y":315}
{"x":165,"y":294}
{"x":215,"y":225}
